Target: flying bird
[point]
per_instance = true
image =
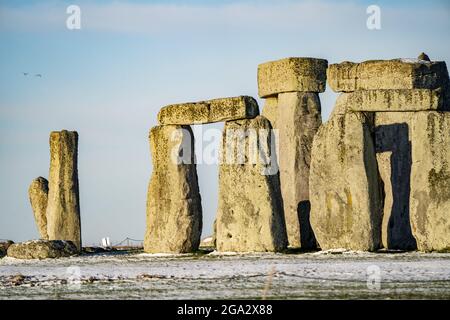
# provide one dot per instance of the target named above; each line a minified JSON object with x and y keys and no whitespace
{"x":25,"y":73}
{"x":38,"y":75}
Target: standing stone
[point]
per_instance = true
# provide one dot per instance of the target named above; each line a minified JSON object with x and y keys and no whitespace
{"x":270,"y":110}
{"x":38,"y":193}
{"x":250,"y":215}
{"x":290,"y":87}
{"x":430,"y":180}
{"x":291,"y":74}
{"x":344,"y":191}
{"x":299,"y":118}
{"x":394,"y":158}
{"x":174,"y":212}
{"x":63,"y":208}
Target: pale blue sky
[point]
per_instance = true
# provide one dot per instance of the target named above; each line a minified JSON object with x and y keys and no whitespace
{"x":109,"y":79}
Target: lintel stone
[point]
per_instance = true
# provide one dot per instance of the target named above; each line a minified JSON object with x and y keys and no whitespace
{"x":291,"y":74}
{"x":387,"y":74}
{"x":216,"y":110}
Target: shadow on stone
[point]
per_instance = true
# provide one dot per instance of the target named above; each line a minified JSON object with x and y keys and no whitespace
{"x":396,"y":227}
{"x":307,"y":237}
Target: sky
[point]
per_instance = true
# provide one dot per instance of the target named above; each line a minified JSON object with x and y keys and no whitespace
{"x":109,"y":79}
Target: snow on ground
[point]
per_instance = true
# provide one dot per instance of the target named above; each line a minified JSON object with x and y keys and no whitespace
{"x":330,"y":274}
{"x":414,"y":60}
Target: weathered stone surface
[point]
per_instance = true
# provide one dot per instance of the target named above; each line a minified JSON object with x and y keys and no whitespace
{"x":393,"y":148}
{"x":270,"y":110}
{"x":250,"y":214}
{"x":295,"y":116}
{"x":299,"y":118}
{"x":430,"y":180}
{"x":392,"y":100}
{"x":4,"y":245}
{"x":291,"y":74}
{"x":341,"y":106}
{"x":42,"y":249}
{"x":216,"y":110}
{"x":387,"y":74}
{"x":174,"y":212}
{"x":63,"y":208}
{"x":344,"y":191}
{"x":38,"y":193}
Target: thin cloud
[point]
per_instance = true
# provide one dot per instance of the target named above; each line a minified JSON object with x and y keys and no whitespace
{"x":245,"y":18}
{"x":158,"y":19}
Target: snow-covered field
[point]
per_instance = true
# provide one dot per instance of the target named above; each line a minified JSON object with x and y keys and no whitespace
{"x":213,"y":276}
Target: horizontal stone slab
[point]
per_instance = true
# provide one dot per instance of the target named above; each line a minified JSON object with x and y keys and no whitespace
{"x":292,"y":74}
{"x":392,"y":100}
{"x":216,"y":110}
{"x":387,"y":74}
{"x":42,"y":249}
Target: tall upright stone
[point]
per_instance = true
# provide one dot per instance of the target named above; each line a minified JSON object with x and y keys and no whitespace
{"x":290,"y":87}
{"x":42,"y":249}
{"x":250,"y":213}
{"x":430,"y":180}
{"x":270,"y":110}
{"x":299,"y":118}
{"x":38,"y":194}
{"x":344,"y":192}
{"x":174,"y":212}
{"x":63,"y":208}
